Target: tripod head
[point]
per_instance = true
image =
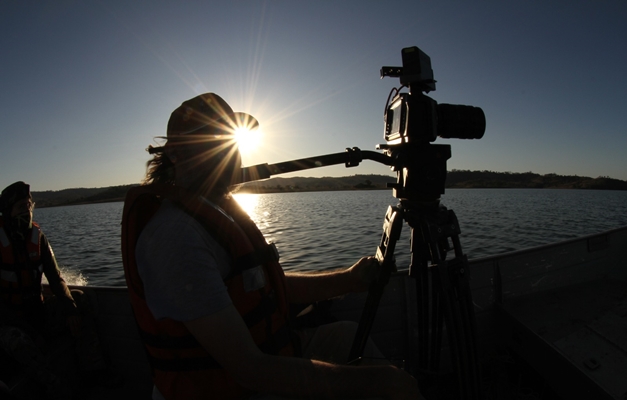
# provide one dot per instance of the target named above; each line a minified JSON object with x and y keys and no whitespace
{"x":412,"y":121}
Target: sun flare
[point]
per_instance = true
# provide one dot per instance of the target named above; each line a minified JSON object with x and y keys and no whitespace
{"x":248,"y":140}
{"x":250,"y":203}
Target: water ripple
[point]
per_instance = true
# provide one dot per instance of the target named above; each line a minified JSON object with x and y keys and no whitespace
{"x":326,"y":230}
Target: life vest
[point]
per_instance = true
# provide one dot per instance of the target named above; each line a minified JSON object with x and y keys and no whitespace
{"x":20,"y":272}
{"x":181,"y":367}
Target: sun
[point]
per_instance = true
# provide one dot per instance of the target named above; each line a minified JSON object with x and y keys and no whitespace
{"x":248,"y":140}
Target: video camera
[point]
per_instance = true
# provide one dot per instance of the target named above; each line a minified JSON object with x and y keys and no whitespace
{"x":416,"y":118}
{"x":412,"y":122}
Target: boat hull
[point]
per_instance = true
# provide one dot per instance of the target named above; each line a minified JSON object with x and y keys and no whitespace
{"x":561,"y":309}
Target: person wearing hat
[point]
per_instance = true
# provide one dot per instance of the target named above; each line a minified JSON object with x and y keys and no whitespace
{"x":208,"y":292}
{"x":27,"y":321}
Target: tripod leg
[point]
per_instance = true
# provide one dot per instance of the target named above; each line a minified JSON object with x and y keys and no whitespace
{"x":461,"y":327}
{"x":430,"y":313}
{"x":445,"y":295}
{"x":392,"y":226}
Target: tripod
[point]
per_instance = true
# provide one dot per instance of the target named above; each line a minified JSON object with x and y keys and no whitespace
{"x":412,"y":122}
{"x":444,"y":298}
{"x":442,"y":286}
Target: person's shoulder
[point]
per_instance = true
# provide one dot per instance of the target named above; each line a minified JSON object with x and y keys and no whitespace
{"x":171,"y":220}
{"x":171,"y":214}
{"x":42,"y":235}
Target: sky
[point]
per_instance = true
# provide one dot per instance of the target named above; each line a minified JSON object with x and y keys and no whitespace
{"x":87,"y":85}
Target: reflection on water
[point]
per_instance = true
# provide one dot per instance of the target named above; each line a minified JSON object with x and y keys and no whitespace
{"x":325,"y":230}
{"x":250,"y":203}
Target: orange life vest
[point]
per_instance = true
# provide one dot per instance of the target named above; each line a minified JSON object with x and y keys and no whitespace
{"x":181,"y":367}
{"x":20,"y":273}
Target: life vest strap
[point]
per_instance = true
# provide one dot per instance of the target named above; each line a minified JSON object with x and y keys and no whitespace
{"x":168,"y":342}
{"x":260,"y":256}
{"x":184,"y":364}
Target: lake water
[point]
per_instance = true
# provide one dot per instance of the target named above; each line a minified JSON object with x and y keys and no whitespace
{"x":325,"y":230}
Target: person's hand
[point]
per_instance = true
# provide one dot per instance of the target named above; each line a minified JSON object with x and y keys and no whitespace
{"x":74,"y":323}
{"x":363,"y":272}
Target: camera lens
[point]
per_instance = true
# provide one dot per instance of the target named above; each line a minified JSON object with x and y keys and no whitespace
{"x":460,"y":122}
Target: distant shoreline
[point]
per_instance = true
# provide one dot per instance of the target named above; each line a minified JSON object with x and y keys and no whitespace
{"x":459,"y":179}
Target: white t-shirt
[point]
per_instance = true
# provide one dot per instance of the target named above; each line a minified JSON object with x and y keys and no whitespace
{"x":181,"y":266}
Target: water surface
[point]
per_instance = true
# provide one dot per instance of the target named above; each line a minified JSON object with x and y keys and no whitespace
{"x":325,"y":230}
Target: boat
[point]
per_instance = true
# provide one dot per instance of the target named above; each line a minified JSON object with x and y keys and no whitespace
{"x":551,"y":324}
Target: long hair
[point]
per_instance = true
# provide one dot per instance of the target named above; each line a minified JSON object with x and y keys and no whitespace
{"x":159,"y":169}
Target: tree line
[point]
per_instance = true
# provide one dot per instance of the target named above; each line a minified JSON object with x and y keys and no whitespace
{"x":454,"y":179}
{"x":491,"y":179}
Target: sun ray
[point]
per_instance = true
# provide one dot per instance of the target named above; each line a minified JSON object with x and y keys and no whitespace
{"x":248,"y":140}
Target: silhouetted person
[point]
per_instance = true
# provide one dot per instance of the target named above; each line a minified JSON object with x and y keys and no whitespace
{"x":28,"y":322}
{"x":208,"y":292}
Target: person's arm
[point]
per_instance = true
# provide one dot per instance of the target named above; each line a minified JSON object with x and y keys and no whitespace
{"x":53,"y":274}
{"x":179,"y":264}
{"x":225,"y":336}
{"x":304,"y":288}
{"x":59,"y":287}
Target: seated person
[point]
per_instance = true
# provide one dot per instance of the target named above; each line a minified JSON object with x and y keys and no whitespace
{"x":209,"y":295}
{"x":27,"y":322}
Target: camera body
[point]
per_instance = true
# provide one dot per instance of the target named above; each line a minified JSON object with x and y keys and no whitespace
{"x":412,"y":117}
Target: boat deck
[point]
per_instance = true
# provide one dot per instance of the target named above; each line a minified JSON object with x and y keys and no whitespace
{"x":561,"y":308}
{"x":576,"y":336}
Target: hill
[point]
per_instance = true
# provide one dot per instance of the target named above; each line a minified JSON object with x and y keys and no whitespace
{"x":490,"y":179}
{"x":68,"y":197}
{"x":455,"y":179}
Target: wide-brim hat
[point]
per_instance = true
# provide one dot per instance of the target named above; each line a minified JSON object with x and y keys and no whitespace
{"x":207,"y":114}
